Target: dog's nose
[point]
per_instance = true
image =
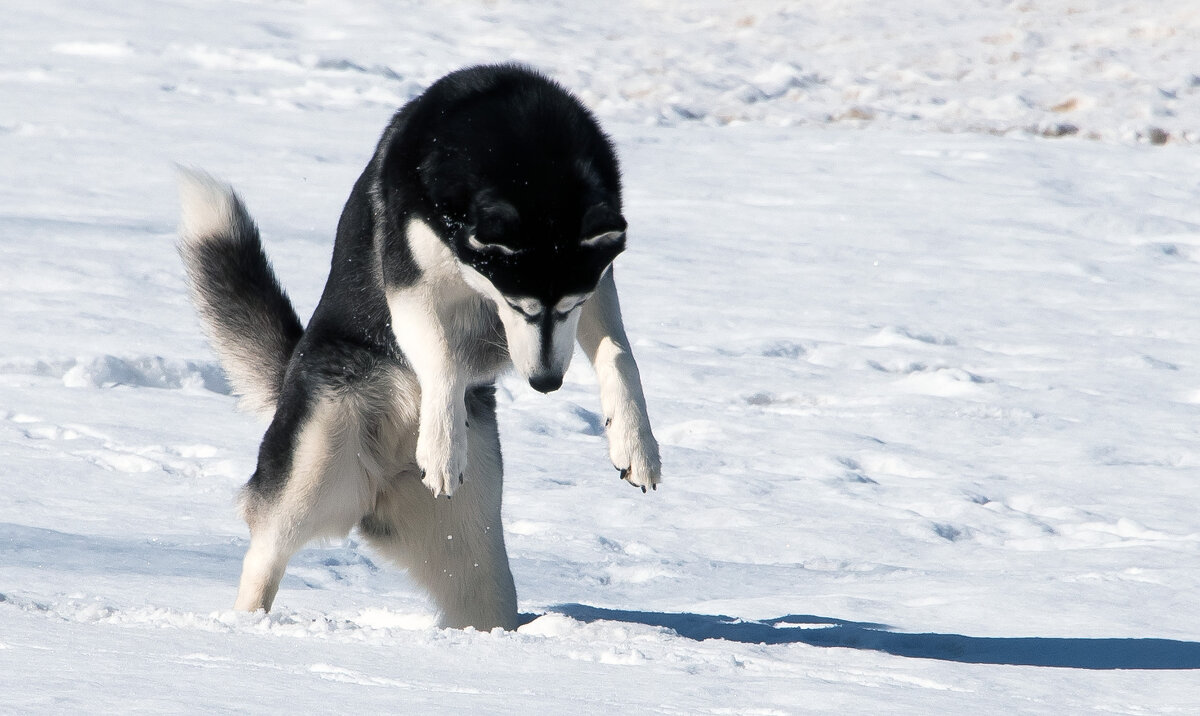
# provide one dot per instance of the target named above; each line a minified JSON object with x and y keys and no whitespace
{"x":546,"y":382}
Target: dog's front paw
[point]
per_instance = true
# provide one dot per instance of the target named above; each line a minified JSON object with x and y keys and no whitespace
{"x":634,"y":451}
{"x":442,"y":458}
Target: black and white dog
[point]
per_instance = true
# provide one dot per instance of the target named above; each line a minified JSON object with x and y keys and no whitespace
{"x":482,"y":233}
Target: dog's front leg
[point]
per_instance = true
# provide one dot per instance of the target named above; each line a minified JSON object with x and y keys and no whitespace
{"x":631,"y":444}
{"x":442,"y":433}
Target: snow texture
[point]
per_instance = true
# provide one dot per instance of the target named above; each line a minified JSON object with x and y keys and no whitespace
{"x":913,"y":288}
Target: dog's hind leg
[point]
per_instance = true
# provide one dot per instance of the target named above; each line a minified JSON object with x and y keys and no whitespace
{"x":314,"y":480}
{"x":454,"y":547}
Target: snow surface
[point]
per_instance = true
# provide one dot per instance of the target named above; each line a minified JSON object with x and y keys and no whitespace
{"x":926,"y":382}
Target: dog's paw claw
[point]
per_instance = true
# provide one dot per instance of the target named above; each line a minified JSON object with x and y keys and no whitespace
{"x":442,"y":461}
{"x":627,"y":474}
{"x":631,"y":444}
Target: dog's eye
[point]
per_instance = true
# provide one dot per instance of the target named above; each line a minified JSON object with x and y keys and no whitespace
{"x":563,"y":315}
{"x":563,"y":308}
{"x":528,"y":308}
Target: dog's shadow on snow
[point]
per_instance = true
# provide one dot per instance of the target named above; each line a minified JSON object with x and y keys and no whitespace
{"x":826,"y":632}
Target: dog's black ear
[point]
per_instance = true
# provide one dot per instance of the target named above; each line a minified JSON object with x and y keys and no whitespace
{"x":603,"y":228}
{"x":495,"y":224}
{"x":601,"y":219}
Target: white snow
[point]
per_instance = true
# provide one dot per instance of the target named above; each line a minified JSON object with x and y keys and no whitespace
{"x":926,"y":380}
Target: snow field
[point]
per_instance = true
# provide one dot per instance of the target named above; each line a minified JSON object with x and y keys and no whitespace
{"x":927,"y":395}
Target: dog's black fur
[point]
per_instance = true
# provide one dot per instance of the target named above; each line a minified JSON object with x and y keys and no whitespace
{"x":486,"y":150}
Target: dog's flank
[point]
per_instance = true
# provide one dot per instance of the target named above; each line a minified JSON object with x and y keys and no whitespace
{"x":480,"y":236}
{"x":246,"y":313}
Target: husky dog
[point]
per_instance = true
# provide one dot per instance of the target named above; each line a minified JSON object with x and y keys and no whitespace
{"x":481,"y":234}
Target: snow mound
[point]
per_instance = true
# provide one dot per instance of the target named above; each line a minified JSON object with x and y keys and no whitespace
{"x":145,"y":372}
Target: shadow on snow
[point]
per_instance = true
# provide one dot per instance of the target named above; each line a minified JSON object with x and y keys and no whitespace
{"x":822,"y":631}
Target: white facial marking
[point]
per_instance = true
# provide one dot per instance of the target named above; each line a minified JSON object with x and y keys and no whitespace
{"x":524,"y":322}
{"x":608,"y":237}
{"x":562,"y":342}
{"x":489,"y":248}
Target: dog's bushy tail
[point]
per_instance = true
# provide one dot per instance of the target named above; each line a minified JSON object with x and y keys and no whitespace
{"x":245,"y":312}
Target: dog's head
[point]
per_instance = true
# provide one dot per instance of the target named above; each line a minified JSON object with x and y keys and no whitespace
{"x":539,"y":269}
{"x":525,"y":188}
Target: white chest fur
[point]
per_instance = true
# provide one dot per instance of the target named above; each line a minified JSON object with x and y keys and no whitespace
{"x":440,"y":322}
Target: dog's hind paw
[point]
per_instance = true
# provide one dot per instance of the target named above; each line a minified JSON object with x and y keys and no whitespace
{"x":442,"y":458}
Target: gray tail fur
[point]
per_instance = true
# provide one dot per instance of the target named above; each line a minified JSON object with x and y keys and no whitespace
{"x":246,"y":313}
